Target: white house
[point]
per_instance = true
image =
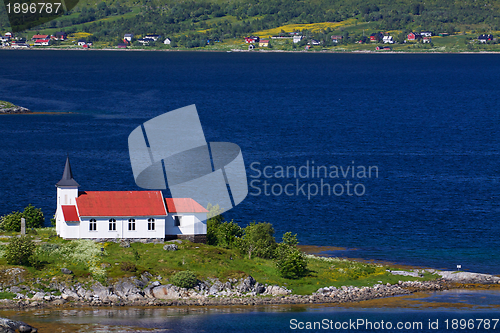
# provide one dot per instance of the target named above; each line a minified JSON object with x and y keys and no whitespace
{"x":125,"y":214}
{"x":297,"y":39}
{"x":128,"y":37}
{"x":167,"y":41}
{"x":426,"y":34}
{"x":388,"y":40}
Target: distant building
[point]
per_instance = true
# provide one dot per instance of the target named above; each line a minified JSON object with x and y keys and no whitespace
{"x":388,"y":40}
{"x":61,"y":35}
{"x":251,"y":47}
{"x":383,"y":48}
{"x":336,"y":39}
{"x":426,"y":39}
{"x":42,"y":42}
{"x":128,"y":37}
{"x":152,"y":37}
{"x":426,"y":34}
{"x":252,"y":39}
{"x":9,"y":35}
{"x":485,"y":38}
{"x":122,"y":46}
{"x":375,"y":37}
{"x":414,"y":36}
{"x":145,"y":41}
{"x":82,"y":42}
{"x":35,"y":37}
{"x":264,"y":43}
{"x":297,"y":39}
{"x":315,"y":42}
{"x":167,"y":41}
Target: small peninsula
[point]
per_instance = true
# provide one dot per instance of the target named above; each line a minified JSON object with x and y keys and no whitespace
{"x":9,"y":108}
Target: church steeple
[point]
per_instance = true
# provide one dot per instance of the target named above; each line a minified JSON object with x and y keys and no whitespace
{"x":67,"y":178}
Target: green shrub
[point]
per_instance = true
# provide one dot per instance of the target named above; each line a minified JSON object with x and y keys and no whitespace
{"x":19,"y":250}
{"x":184,"y":279}
{"x":291,"y":262}
{"x":227,"y":234}
{"x":12,"y":222}
{"x":258,"y":240}
{"x":127,"y":266}
{"x":214,"y":220}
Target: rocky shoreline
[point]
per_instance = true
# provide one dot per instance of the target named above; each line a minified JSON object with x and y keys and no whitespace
{"x":15,"y":110}
{"x":147,"y":291}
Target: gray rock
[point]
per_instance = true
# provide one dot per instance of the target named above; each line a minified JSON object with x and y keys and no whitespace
{"x":216,"y":288}
{"x":246,"y":285}
{"x":124,"y":243}
{"x":259,"y":288}
{"x":166,"y":292}
{"x":15,"y":289}
{"x":10,"y":326}
{"x":39,"y":296}
{"x":124,"y":288}
{"x":69,"y":295}
{"x":64,"y":270}
{"x":170,"y":247}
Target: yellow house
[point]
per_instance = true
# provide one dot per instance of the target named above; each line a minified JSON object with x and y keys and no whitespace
{"x":264,"y":43}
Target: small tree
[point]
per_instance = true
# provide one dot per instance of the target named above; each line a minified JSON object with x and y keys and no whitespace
{"x":228,"y":233}
{"x":290,"y":261}
{"x":258,"y":240}
{"x":19,"y":250}
{"x":184,"y":279}
{"x":12,"y":222}
{"x":291,"y":264}
{"x":215,"y":218}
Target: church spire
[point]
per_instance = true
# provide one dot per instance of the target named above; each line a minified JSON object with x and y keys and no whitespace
{"x":67,"y":178}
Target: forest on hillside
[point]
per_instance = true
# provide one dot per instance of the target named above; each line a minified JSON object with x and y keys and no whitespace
{"x":197,"y":21}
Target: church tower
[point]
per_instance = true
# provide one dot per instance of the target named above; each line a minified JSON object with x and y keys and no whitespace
{"x":67,"y":187}
{"x":67,"y":192}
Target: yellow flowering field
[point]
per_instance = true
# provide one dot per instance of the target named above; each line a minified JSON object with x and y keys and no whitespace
{"x":298,"y":27}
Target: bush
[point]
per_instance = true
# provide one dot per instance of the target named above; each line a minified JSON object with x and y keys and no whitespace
{"x":12,"y":222}
{"x":258,"y":240}
{"x":227,"y":234}
{"x":19,"y":250}
{"x":127,"y":266}
{"x":291,"y":262}
{"x":184,"y":279}
{"x":214,"y":220}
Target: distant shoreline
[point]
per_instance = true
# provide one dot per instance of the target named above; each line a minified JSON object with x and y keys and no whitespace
{"x":246,"y":51}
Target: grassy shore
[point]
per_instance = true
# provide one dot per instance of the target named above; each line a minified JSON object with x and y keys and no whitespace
{"x":88,"y":263}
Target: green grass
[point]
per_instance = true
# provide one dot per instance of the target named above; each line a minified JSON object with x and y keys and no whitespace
{"x":85,"y":260}
{"x":4,"y":104}
{"x":5,"y":295}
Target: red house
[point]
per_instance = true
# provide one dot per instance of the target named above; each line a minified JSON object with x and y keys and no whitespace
{"x":413,"y":36}
{"x":35,"y":37}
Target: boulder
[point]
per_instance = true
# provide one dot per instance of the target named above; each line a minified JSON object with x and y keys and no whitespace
{"x":66,"y":271}
{"x":69,"y":295}
{"x":277,"y":290}
{"x":166,"y":292}
{"x":39,"y":296}
{"x":10,"y":326}
{"x":170,"y":247}
{"x":246,"y":285}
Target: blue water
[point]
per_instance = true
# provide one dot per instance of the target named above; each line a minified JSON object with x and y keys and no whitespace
{"x":282,"y":318}
{"x":430,"y":123}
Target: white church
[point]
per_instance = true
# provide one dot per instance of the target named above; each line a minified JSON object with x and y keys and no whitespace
{"x":130,"y":215}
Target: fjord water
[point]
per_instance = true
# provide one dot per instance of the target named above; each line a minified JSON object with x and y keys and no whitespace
{"x":430,"y":123}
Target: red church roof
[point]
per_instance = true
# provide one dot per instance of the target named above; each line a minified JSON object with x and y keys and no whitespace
{"x":70,"y":214}
{"x":121,"y":203}
{"x":184,"y":205}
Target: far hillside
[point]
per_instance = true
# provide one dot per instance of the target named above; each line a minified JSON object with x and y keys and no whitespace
{"x":198,"y":23}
